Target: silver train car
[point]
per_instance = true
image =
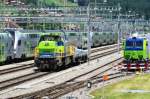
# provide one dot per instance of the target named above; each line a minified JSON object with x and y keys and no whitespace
{"x":80,"y":39}
{"x":105,"y":38}
{"x":20,"y":44}
{"x":24,"y":43}
{"x":6,"y":47}
{"x":96,"y":38}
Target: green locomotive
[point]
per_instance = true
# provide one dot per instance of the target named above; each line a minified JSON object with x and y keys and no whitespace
{"x":53,"y":52}
{"x":136,"y":52}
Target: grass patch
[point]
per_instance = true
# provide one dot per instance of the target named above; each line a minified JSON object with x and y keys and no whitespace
{"x":115,"y":91}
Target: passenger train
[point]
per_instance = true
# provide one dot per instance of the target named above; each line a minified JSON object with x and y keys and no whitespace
{"x":24,"y":43}
{"x":6,"y":47}
{"x":97,"y":38}
{"x":20,"y":44}
{"x":104,"y":38}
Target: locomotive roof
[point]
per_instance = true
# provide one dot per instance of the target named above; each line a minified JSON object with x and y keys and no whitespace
{"x":135,"y":38}
{"x":51,"y":34}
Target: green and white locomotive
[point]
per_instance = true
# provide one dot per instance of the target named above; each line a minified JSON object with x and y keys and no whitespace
{"x":136,"y":52}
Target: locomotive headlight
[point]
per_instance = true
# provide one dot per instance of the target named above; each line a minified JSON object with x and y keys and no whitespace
{"x":36,"y":53}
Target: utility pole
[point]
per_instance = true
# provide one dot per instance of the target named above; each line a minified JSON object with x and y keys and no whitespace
{"x":110,"y":15}
{"x":95,"y":7}
{"x":65,"y":6}
{"x":88,"y":33}
{"x":119,"y":8}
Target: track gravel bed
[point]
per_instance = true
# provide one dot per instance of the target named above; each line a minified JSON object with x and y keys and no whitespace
{"x":16,"y":74}
{"x":13,"y":80}
{"x":21,"y":79}
{"x":24,"y":65}
{"x":14,"y":65}
{"x":59,"y":79}
{"x":84,"y":93}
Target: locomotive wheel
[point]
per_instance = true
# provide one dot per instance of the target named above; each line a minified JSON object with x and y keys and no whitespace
{"x":85,"y":58}
{"x":42,"y":67}
{"x":55,"y":67}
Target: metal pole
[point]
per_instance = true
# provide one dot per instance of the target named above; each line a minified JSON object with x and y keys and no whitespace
{"x":128,"y":22}
{"x":119,"y":28}
{"x":64,"y":3}
{"x":110,"y":15}
{"x":103,"y":91}
{"x":95,"y":7}
{"x":88,"y":34}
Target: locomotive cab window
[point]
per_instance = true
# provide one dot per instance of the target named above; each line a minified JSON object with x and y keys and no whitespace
{"x":139,"y":43}
{"x":129,"y":43}
{"x":50,"y":38}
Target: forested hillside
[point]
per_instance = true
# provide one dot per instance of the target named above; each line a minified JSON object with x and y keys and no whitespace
{"x":49,"y":2}
{"x":139,"y":6}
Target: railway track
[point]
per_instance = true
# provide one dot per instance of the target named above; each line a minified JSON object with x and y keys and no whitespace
{"x":27,"y":66}
{"x":15,"y":69}
{"x":72,"y":85}
{"x":14,"y":81}
{"x":104,"y":53}
{"x":18,"y":80}
{"x":15,"y":61}
{"x":67,"y":88}
{"x":103,"y":48}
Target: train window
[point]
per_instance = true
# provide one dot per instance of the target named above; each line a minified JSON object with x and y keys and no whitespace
{"x":12,"y":43}
{"x":72,"y":34}
{"x":46,"y":38}
{"x":84,"y":34}
{"x":25,"y":43}
{"x":33,"y":36}
{"x":129,"y":43}
{"x":96,"y":33}
{"x":2,"y":37}
{"x":11,"y":32}
{"x":6,"y":44}
{"x":2,"y":49}
{"x":57,"y":38}
{"x":19,"y":42}
{"x":139,"y":43}
{"x":50,"y":38}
